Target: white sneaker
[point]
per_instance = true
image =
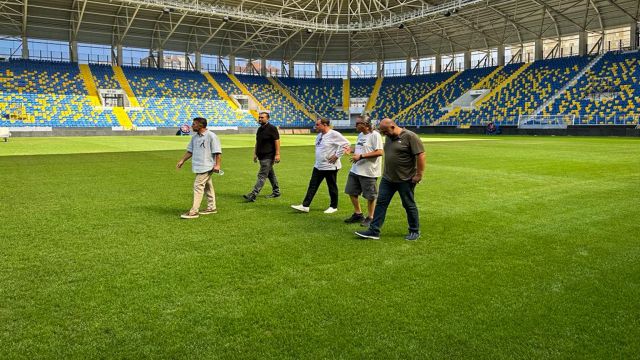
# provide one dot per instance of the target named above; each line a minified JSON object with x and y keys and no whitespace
{"x":330,"y":210}
{"x":301,"y":208}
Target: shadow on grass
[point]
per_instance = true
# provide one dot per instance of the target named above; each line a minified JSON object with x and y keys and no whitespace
{"x":163,"y":210}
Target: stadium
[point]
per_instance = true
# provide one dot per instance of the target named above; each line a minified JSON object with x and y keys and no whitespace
{"x":528,"y":111}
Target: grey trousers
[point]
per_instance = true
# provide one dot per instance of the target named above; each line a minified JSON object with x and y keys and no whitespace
{"x":266,"y":172}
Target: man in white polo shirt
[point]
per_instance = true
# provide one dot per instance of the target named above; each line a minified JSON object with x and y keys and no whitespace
{"x":365,"y":171}
{"x":205,"y":153}
{"x":330,"y":145}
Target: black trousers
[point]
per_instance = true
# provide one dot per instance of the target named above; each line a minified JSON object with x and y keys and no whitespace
{"x":316,"y":179}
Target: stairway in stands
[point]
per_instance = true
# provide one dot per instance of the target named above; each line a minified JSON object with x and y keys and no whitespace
{"x":571,"y":83}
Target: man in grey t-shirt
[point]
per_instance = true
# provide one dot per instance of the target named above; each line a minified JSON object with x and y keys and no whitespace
{"x":404,"y":163}
{"x":205,"y":151}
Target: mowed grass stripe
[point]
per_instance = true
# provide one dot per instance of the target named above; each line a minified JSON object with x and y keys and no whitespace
{"x":99,"y":144}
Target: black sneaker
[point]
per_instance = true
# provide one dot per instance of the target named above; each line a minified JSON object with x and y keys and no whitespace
{"x":354,"y":218}
{"x":273,"y":195}
{"x":249,"y":197}
{"x":366,"y":222}
{"x":368,"y":234}
{"x":412,"y":236}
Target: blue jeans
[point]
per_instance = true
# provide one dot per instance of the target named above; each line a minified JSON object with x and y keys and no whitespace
{"x":387,"y":190}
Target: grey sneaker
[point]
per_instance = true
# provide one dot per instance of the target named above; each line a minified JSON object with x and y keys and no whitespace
{"x":412,"y":236}
{"x":190,"y":215}
{"x":249,"y":197}
{"x":273,"y":195}
{"x":368,"y":234}
{"x":366,"y":222}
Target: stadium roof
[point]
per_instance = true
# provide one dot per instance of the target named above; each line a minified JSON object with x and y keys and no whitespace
{"x":312,"y":30}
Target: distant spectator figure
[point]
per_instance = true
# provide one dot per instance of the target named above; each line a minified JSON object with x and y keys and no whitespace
{"x":330,"y":145}
{"x":404,"y":162}
{"x":492,"y":129}
{"x":206,"y":158}
{"x":267,"y":152}
{"x":365,"y":171}
{"x":184,"y":130}
{"x":5,"y":133}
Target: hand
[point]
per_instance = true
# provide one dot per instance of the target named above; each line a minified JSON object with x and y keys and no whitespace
{"x":333,"y":159}
{"x":347,"y":149}
{"x":277,"y":158}
{"x":179,"y":164}
{"x":416,"y":179}
{"x":255,"y":158}
{"x":216,"y":168}
{"x":356,"y":158}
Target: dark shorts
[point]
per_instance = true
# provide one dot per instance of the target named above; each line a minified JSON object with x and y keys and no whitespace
{"x":366,"y":186}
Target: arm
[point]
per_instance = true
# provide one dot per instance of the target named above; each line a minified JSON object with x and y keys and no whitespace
{"x":341,"y":142}
{"x":216,"y":151}
{"x":376,"y":143}
{"x":255,"y":152}
{"x":277,"y":158}
{"x":216,"y":167}
{"x":186,"y":157}
{"x":369,"y":155}
{"x":421,"y":162}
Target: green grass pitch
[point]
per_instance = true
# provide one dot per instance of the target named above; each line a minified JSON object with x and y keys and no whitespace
{"x":530,"y":249}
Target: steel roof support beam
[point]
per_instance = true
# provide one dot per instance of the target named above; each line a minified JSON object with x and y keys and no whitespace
{"x":129,"y":23}
{"x":551,"y":9}
{"x":635,"y":18}
{"x":211,"y":36}
{"x":25,"y":43}
{"x":24,"y":17}
{"x":80,"y":15}
{"x":279,"y":19}
{"x":173,"y":29}
{"x":7,"y":13}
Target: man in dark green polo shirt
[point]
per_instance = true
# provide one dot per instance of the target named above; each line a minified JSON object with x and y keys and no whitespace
{"x":404,"y":163}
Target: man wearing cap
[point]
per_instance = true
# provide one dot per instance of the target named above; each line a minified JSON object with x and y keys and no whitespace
{"x":365,"y":171}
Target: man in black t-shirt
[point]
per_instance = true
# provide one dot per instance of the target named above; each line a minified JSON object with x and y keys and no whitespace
{"x":267,"y":152}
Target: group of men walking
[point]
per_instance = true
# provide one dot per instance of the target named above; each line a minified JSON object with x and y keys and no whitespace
{"x":404,"y":163}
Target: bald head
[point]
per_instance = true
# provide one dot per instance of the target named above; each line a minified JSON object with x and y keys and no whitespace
{"x":389,"y":127}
